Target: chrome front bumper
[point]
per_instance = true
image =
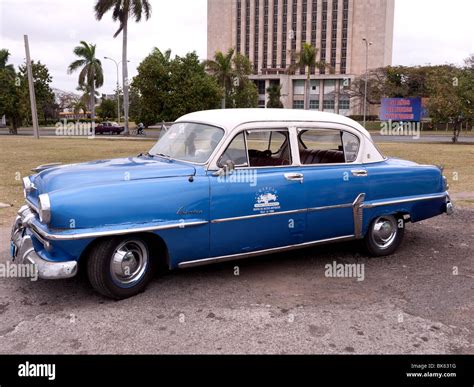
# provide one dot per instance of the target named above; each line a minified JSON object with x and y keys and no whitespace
{"x":22,"y":250}
{"x":449,"y":206}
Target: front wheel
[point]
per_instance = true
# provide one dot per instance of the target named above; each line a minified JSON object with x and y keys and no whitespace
{"x":120,"y":267}
{"x":384,"y":236}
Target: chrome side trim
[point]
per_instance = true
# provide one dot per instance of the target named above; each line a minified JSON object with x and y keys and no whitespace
{"x":225,"y":258}
{"x":97,"y":234}
{"x":222,"y":220}
{"x":336,"y":206}
{"x":358,"y":214}
{"x":406,"y":200}
{"x":299,"y":211}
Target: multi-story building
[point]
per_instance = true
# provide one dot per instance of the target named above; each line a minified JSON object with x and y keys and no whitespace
{"x":271,"y":32}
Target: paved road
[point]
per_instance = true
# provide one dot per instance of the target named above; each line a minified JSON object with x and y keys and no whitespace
{"x":153,"y":134}
{"x":424,"y":139}
{"x":408,"y":303}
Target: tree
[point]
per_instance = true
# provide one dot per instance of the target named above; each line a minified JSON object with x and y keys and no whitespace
{"x":107,"y":109}
{"x":274,"y":95}
{"x":232,"y":72}
{"x":122,"y":10}
{"x":91,"y":76}
{"x":452,"y":96}
{"x":135,"y":108}
{"x":78,"y":106}
{"x":87,"y":96}
{"x":244,"y":92}
{"x":165,"y":89}
{"x":4,"y":66}
{"x":469,"y":63}
{"x":221,"y":68}
{"x":45,"y":99}
{"x":14,"y":98}
{"x":244,"y":95}
{"x":11,"y":98}
{"x":448,"y":88}
{"x":307,"y":58}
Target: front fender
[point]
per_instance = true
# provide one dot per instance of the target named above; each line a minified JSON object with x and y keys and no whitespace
{"x":128,"y":203}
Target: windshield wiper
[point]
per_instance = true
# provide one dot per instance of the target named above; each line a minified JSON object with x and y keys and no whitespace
{"x":148,"y":154}
{"x":163,"y":155}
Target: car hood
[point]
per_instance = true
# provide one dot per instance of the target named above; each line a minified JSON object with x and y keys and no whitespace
{"x":106,"y":171}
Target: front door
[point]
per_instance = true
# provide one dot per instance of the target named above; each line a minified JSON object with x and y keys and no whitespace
{"x":258,"y":205}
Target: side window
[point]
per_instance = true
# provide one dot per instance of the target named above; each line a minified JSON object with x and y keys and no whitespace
{"x":268,"y":148}
{"x":350,"y":143}
{"x":235,"y":152}
{"x":258,"y":148}
{"x":327,"y":146}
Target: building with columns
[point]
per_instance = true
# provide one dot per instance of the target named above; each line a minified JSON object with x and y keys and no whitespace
{"x":270,"y":32}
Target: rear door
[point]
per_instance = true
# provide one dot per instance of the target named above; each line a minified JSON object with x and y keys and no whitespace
{"x":333,"y":181}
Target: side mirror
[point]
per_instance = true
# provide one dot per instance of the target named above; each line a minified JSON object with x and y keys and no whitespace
{"x":226,"y":170}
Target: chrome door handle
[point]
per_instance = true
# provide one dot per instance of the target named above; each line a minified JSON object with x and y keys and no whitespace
{"x":359,"y":172}
{"x":294,"y":177}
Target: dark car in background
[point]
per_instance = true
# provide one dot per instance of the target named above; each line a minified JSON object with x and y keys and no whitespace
{"x":109,"y":127}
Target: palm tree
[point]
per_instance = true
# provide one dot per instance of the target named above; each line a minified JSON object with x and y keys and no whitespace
{"x":221,"y":68}
{"x":78,"y":106}
{"x":86,"y":96}
{"x":121,"y":11}
{"x":307,"y":58}
{"x":91,"y":76}
{"x":4,"y":55}
{"x":274,"y":95}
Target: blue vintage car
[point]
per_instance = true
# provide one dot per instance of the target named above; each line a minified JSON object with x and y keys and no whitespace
{"x":217,"y":186}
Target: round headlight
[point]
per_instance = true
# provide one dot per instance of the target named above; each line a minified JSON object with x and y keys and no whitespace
{"x":44,"y":208}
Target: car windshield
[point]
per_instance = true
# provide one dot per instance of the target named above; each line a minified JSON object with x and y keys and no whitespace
{"x":188,"y":142}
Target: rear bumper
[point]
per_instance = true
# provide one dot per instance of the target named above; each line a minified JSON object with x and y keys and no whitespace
{"x":23,"y":252}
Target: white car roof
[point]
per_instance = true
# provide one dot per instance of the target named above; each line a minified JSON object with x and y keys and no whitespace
{"x":229,"y":119}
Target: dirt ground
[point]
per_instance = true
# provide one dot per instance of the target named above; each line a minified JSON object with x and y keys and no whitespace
{"x":419,"y":300}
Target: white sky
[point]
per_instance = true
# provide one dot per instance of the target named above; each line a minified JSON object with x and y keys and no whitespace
{"x":426,"y":31}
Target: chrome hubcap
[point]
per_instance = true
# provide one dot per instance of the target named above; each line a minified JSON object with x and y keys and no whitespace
{"x":384,"y":232}
{"x":129,"y":262}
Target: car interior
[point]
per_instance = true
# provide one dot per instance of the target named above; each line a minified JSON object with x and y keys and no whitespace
{"x":261,"y":148}
{"x":323,"y":146}
{"x":265,"y":148}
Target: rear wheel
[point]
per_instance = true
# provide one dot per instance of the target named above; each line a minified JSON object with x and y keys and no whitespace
{"x":120,"y":267}
{"x":384,"y":235}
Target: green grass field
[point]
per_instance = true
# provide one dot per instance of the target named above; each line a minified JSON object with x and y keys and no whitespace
{"x":18,"y":155}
